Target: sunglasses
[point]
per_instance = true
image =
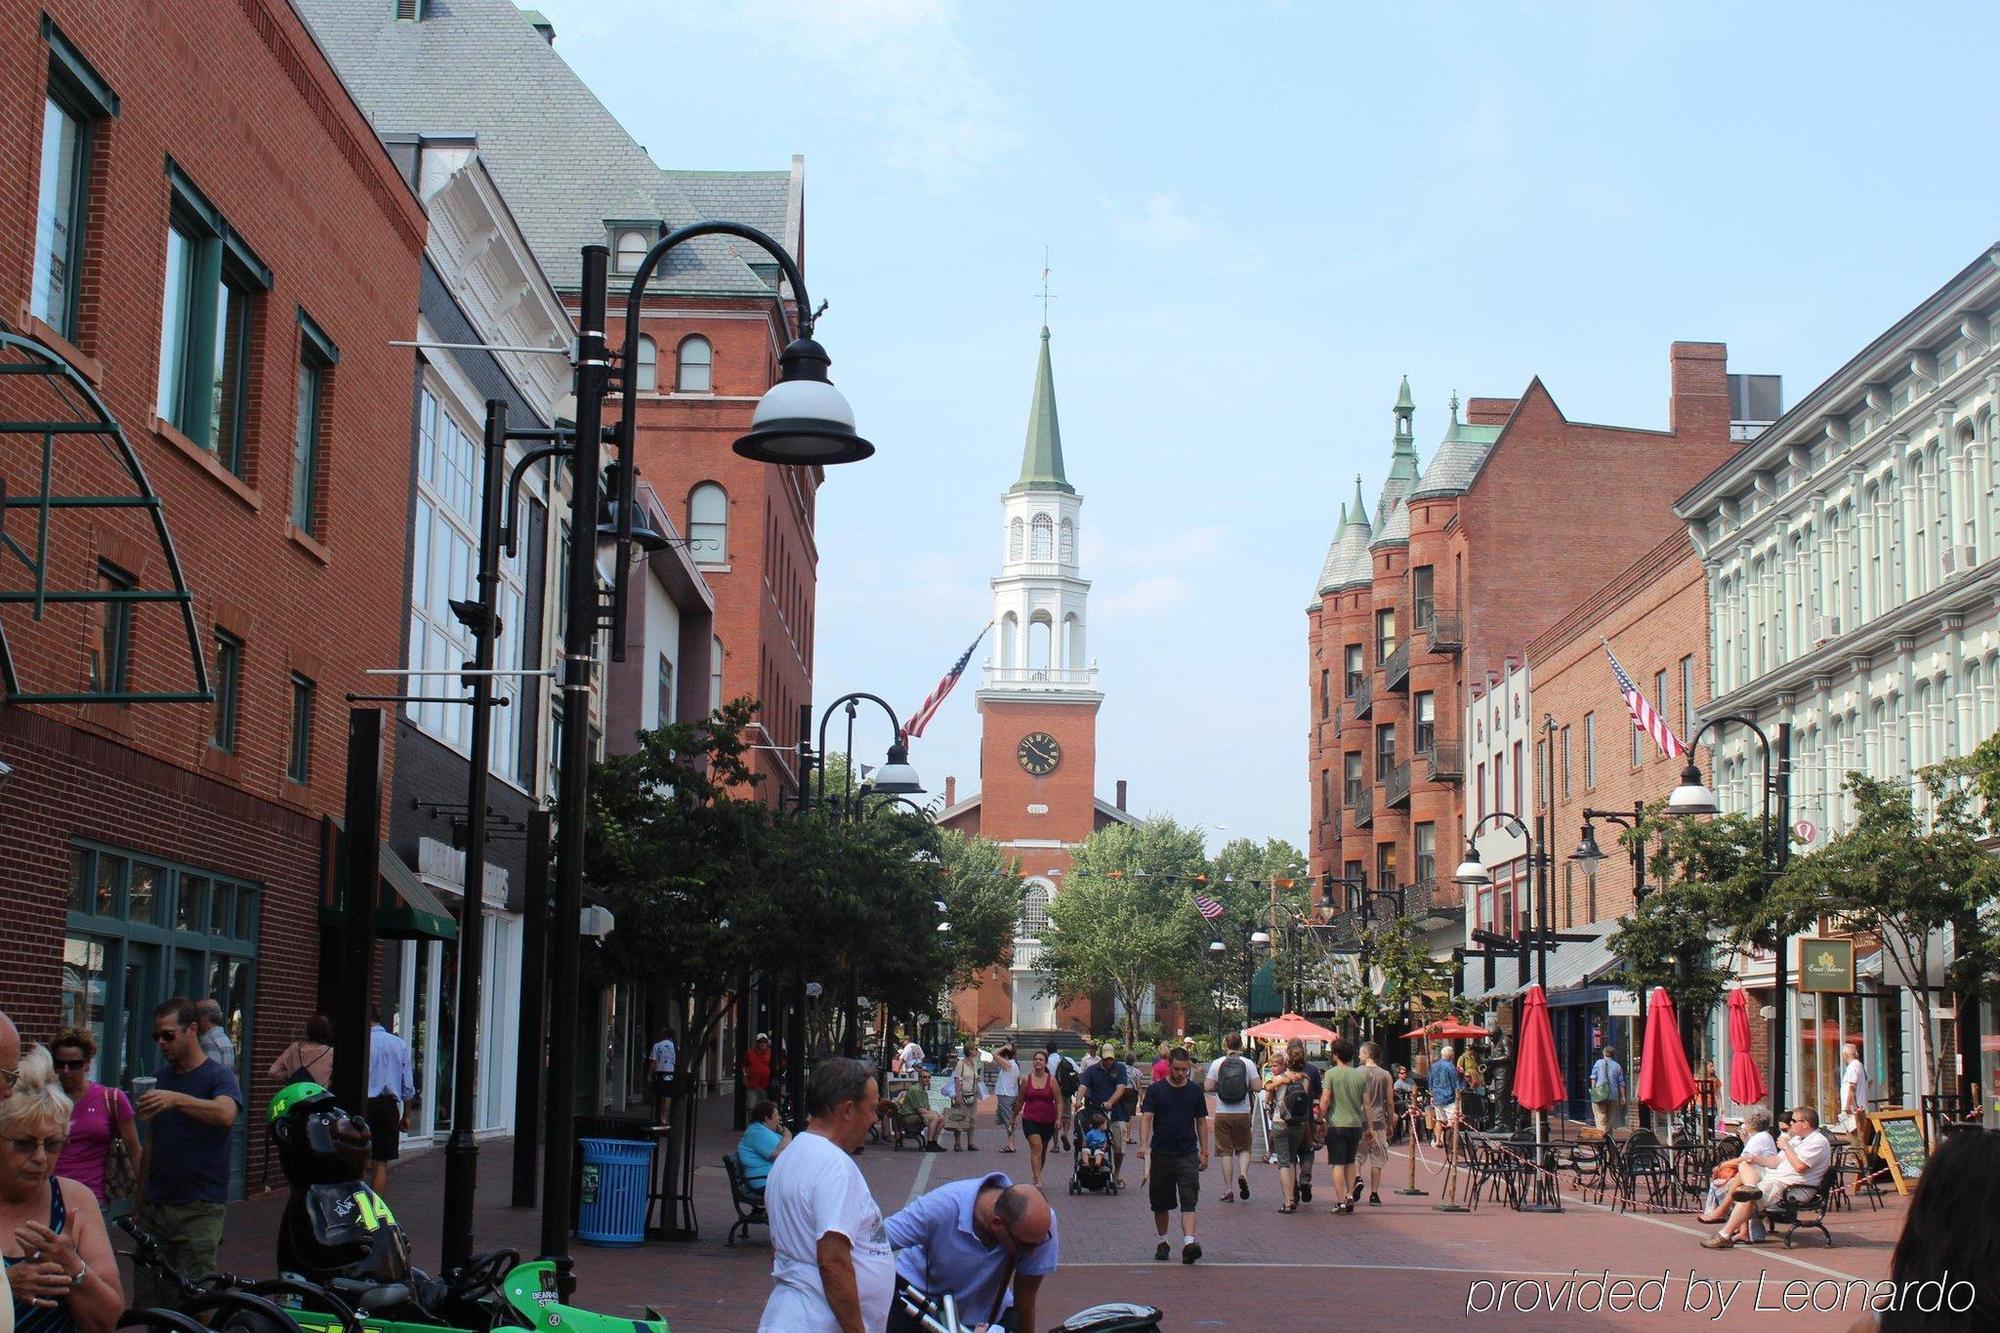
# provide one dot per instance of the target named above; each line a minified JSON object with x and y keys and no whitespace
{"x":52,"y":1146}
{"x":72,"y":1064}
{"x":10,"y":1077}
{"x":168,"y":1035}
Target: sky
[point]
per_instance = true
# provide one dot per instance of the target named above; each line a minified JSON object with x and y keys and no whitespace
{"x":1258,"y":216}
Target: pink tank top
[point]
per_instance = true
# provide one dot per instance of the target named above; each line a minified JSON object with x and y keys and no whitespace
{"x":1038,"y":1105}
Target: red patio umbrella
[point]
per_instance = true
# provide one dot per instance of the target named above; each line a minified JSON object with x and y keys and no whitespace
{"x":1538,"y":1082}
{"x":1287,"y":1027}
{"x":1445,"y":1029}
{"x":1665,"y":1081}
{"x":1746,"y":1081}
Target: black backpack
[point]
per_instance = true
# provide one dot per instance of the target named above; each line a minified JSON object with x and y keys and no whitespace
{"x":1232,"y":1084}
{"x":1066,"y":1076}
{"x":1298,"y":1101}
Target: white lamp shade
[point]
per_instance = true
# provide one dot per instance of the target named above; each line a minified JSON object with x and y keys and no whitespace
{"x":1259,"y":937}
{"x":804,"y":421}
{"x":1470,"y":871}
{"x":1692,"y":798}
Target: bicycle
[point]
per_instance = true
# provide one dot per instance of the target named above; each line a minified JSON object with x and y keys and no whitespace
{"x":240,"y":1303}
{"x":939,"y":1314}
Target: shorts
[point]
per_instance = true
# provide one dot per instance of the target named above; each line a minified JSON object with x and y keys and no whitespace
{"x":1374,"y":1148}
{"x":385,"y":1124}
{"x":1035,"y":1130}
{"x":1289,"y":1139}
{"x":1003,"y":1111}
{"x":1446,"y":1114}
{"x":1232,"y":1132}
{"x":1175,"y":1179}
{"x":1342,"y":1141}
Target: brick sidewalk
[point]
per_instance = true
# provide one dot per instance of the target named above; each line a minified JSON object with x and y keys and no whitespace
{"x":1399,"y":1261}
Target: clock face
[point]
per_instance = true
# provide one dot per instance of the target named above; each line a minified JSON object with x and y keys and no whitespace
{"x":1039,"y":753}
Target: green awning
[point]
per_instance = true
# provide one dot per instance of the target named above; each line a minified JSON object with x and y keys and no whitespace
{"x":407,"y":909}
{"x":1265,"y":1002}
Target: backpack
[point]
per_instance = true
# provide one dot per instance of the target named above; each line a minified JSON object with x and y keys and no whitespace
{"x":1298,"y":1100}
{"x":1232,"y":1084}
{"x":1066,"y":1076}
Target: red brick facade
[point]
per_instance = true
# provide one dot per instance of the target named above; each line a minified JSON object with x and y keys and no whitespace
{"x":1503,"y":556}
{"x":237,"y":96}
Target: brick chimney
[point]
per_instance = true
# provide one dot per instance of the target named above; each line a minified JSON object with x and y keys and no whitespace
{"x":950,"y":792}
{"x":1121,"y":793}
{"x":1699,"y":410}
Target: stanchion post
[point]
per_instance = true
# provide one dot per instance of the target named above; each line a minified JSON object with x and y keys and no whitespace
{"x":1450,"y":1202}
{"x":1411,"y":1188}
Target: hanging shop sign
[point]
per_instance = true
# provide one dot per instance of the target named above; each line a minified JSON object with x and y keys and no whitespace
{"x":1826,"y":965}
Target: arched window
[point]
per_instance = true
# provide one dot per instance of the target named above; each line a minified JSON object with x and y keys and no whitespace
{"x":1034,"y":919}
{"x":1010,"y":642}
{"x":632,"y":247}
{"x":647,"y":370}
{"x":697,"y":361}
{"x":714,"y":674}
{"x":1014,"y":531}
{"x":1068,"y":542}
{"x":708,"y":524}
{"x":1042,"y":538}
{"x":1041,"y":645}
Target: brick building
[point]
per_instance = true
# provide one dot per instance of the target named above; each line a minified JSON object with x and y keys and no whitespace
{"x":1465,"y":561}
{"x":714,"y":315}
{"x":207,"y":230}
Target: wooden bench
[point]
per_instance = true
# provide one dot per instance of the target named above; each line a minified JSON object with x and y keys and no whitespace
{"x":749,"y":1203}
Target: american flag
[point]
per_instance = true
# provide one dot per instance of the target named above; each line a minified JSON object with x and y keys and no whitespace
{"x":922,"y":717}
{"x":1644,"y":717}
{"x":1207,"y":906}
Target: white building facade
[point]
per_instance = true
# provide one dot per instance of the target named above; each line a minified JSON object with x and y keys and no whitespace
{"x":1852,"y":577}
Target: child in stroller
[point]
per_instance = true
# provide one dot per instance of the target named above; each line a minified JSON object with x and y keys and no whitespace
{"x":1091,"y":1163}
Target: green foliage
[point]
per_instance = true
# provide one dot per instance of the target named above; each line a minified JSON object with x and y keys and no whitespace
{"x":1412,"y":981}
{"x":1115,"y":929}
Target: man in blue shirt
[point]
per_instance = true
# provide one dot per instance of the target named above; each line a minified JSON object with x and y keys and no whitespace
{"x":1107,"y":1086}
{"x":969,"y":1238}
{"x":391,"y":1089}
{"x":191,"y":1110}
{"x":1446,"y":1084}
{"x":1607,"y":1090}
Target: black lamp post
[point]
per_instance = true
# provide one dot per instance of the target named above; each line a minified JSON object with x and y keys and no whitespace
{"x":801,"y":420}
{"x":1693,"y":797}
{"x":1472,"y":873}
{"x":1590,"y":856}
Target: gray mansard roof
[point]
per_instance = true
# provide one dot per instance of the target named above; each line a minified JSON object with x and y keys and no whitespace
{"x":564,"y":163}
{"x":1457,"y":461}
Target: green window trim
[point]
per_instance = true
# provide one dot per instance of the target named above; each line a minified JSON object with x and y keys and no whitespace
{"x":314,"y":343}
{"x":228,"y":691}
{"x":79,"y":79}
{"x":317,"y":357}
{"x":194,"y":396}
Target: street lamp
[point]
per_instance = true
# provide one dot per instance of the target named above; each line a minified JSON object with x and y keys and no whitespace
{"x":1695,"y":797}
{"x":1590,"y":856}
{"x":801,"y":420}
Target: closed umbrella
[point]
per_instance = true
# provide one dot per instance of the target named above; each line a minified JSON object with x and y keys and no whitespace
{"x":1538,"y":1081}
{"x":1665,"y":1081}
{"x":1746,"y":1081}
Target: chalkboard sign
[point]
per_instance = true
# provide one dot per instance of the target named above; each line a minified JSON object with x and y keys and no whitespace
{"x":1899,"y":1138}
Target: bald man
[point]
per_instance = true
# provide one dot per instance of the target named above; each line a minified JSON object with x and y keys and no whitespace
{"x":10,"y":1055}
{"x":968,"y":1238}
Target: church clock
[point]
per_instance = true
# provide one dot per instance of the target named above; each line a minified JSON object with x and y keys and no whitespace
{"x":1039,"y":753}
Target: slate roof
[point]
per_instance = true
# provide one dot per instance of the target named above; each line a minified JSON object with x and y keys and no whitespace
{"x":1396,"y":527}
{"x":562,"y":160}
{"x":1457,"y":461}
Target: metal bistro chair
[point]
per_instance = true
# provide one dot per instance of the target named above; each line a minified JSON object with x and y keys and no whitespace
{"x":1853,"y":1176}
{"x":1646,"y":1162}
{"x":1592,"y":1164}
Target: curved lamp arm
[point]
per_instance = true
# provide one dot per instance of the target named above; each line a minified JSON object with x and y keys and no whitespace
{"x":850,"y":699}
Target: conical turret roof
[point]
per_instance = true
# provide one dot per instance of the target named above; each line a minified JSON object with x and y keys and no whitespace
{"x":1042,"y":458}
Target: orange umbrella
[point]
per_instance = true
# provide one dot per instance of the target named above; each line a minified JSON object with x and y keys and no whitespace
{"x":1445,"y":1028}
{"x":1665,"y":1081}
{"x":1289,"y":1027}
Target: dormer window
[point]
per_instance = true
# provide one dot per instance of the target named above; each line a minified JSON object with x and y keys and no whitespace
{"x":631,"y":250}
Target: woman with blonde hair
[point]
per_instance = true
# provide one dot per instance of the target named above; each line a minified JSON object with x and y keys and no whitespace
{"x":60,"y":1269}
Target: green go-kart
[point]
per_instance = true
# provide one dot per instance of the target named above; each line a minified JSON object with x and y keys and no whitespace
{"x":345,"y":1262}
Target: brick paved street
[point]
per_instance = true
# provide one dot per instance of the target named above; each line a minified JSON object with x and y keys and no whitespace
{"x":1399,"y":1261}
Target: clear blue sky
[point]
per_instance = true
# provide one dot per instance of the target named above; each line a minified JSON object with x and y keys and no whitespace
{"x":1259,"y":216}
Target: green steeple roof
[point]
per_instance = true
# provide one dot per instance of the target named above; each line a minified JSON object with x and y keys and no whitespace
{"x":1357,"y":512}
{"x":1041,"y":460}
{"x":1403,"y":462}
{"x":1403,"y":400}
{"x":1343,"y":519}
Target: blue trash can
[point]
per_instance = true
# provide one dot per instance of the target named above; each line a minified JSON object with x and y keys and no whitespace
{"x":611,"y":1197}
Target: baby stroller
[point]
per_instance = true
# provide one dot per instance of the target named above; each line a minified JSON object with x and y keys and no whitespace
{"x":1085,"y":1174}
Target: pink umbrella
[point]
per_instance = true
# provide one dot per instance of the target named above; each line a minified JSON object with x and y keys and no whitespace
{"x":1538,"y":1082}
{"x":1746,"y":1081}
{"x":1665,"y":1081}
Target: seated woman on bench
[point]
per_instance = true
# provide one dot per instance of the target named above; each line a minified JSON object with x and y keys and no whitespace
{"x":1805,"y":1155}
{"x":762,"y":1141}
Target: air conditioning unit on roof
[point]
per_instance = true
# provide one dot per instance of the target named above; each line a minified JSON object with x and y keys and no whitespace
{"x":1825,"y":628}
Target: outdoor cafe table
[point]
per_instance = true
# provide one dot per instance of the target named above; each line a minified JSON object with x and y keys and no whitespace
{"x":1676,"y":1174}
{"x":1517,"y":1159}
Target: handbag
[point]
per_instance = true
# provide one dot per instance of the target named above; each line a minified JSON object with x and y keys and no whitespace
{"x":1600,"y":1092}
{"x":120,"y":1180}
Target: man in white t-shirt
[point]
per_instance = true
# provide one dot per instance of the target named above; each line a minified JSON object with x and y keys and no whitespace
{"x":1853,"y":1089}
{"x":913,"y":1057}
{"x":661,"y":1065}
{"x":1804,"y":1154}
{"x":831,"y":1260}
{"x":1233,"y":1072}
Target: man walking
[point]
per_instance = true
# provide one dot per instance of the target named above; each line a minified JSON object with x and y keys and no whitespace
{"x":970,"y":1238}
{"x":832,"y":1264}
{"x":1607,"y":1091}
{"x":757,"y":1068}
{"x":660,"y":1063}
{"x":1173,"y":1123}
{"x":1107,"y":1087}
{"x":391,"y":1089}
{"x":1446,"y":1083}
{"x":1068,"y":1079}
{"x":1343,"y":1108}
{"x":1379,"y":1100}
{"x":191,"y":1109}
{"x":214,"y":1036}
{"x":1233,"y":1079}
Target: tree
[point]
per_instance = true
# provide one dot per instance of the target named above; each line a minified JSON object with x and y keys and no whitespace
{"x":1124,"y":920}
{"x":1412,"y":981}
{"x":1901,"y":874}
{"x":1261,"y":887}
